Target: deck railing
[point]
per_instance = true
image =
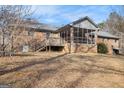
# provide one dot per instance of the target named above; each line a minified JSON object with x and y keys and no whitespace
{"x":56,"y":41}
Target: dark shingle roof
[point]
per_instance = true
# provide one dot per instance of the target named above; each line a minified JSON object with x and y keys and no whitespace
{"x":78,"y":21}
{"x":38,"y":26}
{"x":43,"y":27}
{"x":85,"y":18}
{"x":105,"y":34}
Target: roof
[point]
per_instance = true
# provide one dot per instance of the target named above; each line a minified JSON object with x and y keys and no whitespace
{"x":105,"y":34}
{"x":85,"y":18}
{"x":50,"y":28}
{"x":29,"y":24}
{"x":32,"y":23}
{"x":78,"y":21}
{"x":43,"y":27}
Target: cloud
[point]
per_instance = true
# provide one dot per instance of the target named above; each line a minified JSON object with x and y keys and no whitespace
{"x":62,"y":14}
{"x":46,"y":10}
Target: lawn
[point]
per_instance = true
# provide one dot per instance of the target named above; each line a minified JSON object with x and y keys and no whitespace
{"x":62,"y":70}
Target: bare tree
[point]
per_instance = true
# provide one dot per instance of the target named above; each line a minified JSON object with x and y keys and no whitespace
{"x":115,"y":25}
{"x":11,"y":17}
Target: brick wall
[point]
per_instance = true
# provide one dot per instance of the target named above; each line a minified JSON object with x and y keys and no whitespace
{"x":25,"y":39}
{"x":109,"y":43}
{"x":84,"y":48}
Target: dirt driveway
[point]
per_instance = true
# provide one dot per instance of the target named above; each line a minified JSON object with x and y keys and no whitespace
{"x":62,"y":70}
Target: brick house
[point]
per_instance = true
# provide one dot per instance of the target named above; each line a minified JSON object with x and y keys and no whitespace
{"x":83,"y":35}
{"x":33,"y":36}
{"x":79,"y":36}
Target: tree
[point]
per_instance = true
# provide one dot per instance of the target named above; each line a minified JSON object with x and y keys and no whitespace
{"x":10,"y":19}
{"x":115,"y":25}
{"x":101,"y":25}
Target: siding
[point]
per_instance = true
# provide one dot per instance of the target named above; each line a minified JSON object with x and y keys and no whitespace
{"x":86,"y":24}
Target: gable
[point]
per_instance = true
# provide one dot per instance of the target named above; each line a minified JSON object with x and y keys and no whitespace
{"x":85,"y":24}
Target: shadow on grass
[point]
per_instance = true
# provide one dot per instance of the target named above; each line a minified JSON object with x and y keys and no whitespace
{"x":30,"y":64}
{"x":33,"y":79}
{"x":24,"y":55}
{"x":44,"y":74}
{"x":92,"y":69}
{"x":101,"y":69}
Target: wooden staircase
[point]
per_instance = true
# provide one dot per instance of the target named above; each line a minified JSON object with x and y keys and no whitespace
{"x":47,"y":42}
{"x":41,"y":45}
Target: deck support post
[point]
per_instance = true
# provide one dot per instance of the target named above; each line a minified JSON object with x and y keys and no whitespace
{"x":63,"y":36}
{"x":46,"y":44}
{"x":60,"y":38}
{"x":71,"y":39}
{"x":67,"y":37}
{"x":87,"y":37}
{"x":82,"y":35}
{"x":91,"y":37}
{"x":49,"y":45}
{"x":95,"y":36}
{"x":78,"y":34}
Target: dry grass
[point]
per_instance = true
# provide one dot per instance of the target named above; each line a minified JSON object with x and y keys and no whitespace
{"x":62,"y":70}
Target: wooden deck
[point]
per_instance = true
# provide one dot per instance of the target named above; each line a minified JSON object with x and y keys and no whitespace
{"x":56,"y":41}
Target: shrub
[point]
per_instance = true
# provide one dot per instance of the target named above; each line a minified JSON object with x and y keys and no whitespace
{"x":102,"y":48}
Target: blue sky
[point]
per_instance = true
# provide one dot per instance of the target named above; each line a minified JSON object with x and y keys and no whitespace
{"x":64,"y":14}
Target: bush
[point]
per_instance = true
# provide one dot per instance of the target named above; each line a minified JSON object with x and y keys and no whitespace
{"x":102,"y":48}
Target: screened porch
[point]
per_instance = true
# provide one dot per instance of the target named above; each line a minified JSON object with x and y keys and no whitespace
{"x":79,"y":35}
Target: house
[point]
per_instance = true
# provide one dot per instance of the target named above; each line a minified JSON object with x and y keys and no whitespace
{"x":79,"y":36}
{"x":83,"y":35}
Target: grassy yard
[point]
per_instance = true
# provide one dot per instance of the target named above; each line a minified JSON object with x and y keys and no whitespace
{"x":62,"y":70}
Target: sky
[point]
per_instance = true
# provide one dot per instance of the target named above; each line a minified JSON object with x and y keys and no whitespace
{"x":63,"y":14}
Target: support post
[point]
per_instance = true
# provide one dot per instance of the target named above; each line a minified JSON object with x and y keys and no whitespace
{"x":49,"y":42}
{"x":87,"y":36}
{"x":91,"y":37}
{"x":95,"y":36}
{"x":64,"y":36}
{"x":46,"y":43}
{"x":82,"y":35}
{"x":49,"y":45}
{"x":67,"y":36}
{"x":60,"y":38}
{"x":71,"y":39}
{"x":77,"y":35}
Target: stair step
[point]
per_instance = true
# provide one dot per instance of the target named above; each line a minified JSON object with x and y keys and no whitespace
{"x":41,"y":48}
